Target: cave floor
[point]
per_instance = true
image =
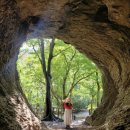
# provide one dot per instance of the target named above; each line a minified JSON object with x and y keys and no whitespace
{"x":76,"y":125}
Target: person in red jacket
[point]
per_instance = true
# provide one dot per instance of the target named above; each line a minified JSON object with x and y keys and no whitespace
{"x":68,"y":112}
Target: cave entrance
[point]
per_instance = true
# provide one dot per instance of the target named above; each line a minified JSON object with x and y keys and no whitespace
{"x":71,"y":75}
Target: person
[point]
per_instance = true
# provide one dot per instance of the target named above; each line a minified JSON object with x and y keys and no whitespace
{"x":68,"y":112}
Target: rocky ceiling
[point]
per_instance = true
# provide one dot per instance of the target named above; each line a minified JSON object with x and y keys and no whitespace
{"x":55,"y":13}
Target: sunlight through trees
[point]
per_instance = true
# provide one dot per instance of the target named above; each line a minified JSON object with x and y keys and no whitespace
{"x":72,"y":75}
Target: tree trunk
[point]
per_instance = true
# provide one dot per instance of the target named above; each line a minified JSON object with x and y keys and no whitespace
{"x":92,"y":101}
{"x":63,"y":87}
{"x":48,"y":111}
{"x":64,"y":83}
{"x":98,"y":89}
{"x":68,"y":65}
{"x":49,"y":116}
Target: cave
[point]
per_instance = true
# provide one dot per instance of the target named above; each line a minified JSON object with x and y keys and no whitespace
{"x":98,"y":28}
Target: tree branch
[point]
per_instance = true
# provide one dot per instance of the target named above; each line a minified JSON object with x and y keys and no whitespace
{"x":74,"y":77}
{"x":74,"y":84}
{"x":43,"y":61}
{"x":56,"y":96}
{"x":61,"y":51}
{"x":36,"y":76}
{"x":52,"y":44}
{"x":68,"y":63}
{"x":36,"y":53}
{"x":84,"y":78}
{"x":24,"y":52}
{"x":73,"y":56}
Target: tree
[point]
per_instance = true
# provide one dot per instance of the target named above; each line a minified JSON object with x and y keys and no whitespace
{"x":31,"y":77}
{"x":47,"y":74}
{"x":46,"y":69}
{"x":76,"y":68}
{"x":73,"y":69}
{"x":70,"y":70}
{"x":98,"y":89}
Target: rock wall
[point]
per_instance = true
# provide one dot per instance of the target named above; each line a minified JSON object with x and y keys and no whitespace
{"x":15,"y":114}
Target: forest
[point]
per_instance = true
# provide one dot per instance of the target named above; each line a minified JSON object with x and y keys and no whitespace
{"x":51,"y":68}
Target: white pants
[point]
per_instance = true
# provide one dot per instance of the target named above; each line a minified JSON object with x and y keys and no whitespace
{"x":68,"y":116}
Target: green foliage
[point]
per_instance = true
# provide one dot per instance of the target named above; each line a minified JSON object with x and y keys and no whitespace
{"x":31,"y":77}
{"x":82,"y":75}
{"x":80,"y":102}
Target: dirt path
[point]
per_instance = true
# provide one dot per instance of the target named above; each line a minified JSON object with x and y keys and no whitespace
{"x":76,"y":125}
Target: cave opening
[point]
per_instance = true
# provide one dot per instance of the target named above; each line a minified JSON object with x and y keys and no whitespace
{"x":104,"y":39}
{"x":72,"y":75}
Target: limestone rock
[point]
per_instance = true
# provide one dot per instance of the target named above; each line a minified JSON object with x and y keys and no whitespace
{"x":98,"y":28}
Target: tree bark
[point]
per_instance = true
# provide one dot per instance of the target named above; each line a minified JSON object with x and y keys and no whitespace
{"x":92,"y":101}
{"x":49,"y":116}
{"x":98,"y":89}
{"x":68,"y":67}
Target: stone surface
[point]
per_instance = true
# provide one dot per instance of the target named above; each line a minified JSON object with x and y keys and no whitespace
{"x":97,"y":28}
{"x":119,"y":11}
